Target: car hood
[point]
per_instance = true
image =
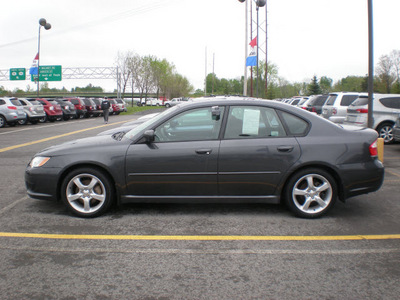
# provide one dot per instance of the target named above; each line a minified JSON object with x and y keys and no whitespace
{"x":84,"y":146}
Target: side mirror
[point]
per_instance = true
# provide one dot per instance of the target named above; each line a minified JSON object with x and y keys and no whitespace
{"x":149,"y":136}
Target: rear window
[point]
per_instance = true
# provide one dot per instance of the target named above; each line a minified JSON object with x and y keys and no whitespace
{"x":348,"y":99}
{"x":15,"y":102}
{"x":392,"y":102}
{"x":360,"y":101}
{"x":319,"y":101}
{"x":331,"y":100}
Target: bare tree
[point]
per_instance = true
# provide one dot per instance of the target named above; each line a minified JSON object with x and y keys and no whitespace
{"x":124,"y":72}
{"x":385,"y":72}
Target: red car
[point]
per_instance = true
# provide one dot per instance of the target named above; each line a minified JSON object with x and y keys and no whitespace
{"x":53,"y":111}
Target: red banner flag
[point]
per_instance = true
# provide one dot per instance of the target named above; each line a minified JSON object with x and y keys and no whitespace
{"x":253,"y":42}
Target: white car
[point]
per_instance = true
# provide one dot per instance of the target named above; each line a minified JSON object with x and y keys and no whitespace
{"x":174,"y":101}
{"x":153,"y":102}
{"x":335,"y":107}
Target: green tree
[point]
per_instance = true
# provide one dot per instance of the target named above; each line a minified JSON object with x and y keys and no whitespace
{"x":313,"y":87}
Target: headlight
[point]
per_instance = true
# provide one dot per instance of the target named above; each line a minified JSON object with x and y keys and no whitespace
{"x":38,"y":161}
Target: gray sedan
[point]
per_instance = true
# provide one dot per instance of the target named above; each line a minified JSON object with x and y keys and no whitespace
{"x":213,"y":151}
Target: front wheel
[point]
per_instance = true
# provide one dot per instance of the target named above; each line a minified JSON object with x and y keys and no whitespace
{"x":87,"y":192}
{"x":310,"y":193}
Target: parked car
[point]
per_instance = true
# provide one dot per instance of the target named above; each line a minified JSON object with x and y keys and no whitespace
{"x":91,"y":108}
{"x":79,"y":106}
{"x":316,"y":103}
{"x":174,"y":101}
{"x":386,"y":109}
{"x":68,"y":109}
{"x":122,"y":105}
{"x":115,"y":107}
{"x":97,"y":102}
{"x":396,"y":130}
{"x":304,"y":102}
{"x":52,"y":109}
{"x":34,"y":111}
{"x":11,"y":111}
{"x":213,"y":151}
{"x":335,"y":107}
{"x":154,"y":102}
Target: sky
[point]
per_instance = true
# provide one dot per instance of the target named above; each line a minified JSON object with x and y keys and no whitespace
{"x":306,"y":38}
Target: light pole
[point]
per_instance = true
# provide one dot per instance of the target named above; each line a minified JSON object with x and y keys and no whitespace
{"x":259,"y":3}
{"x":370,"y":64}
{"x":245,"y":47}
{"x":47,"y":26}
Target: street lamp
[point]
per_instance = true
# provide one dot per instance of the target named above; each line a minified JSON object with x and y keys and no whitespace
{"x":259,"y":3}
{"x":47,"y":26}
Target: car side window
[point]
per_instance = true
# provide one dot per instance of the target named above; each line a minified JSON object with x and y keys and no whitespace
{"x":253,"y":122}
{"x":295,"y":125}
{"x":194,"y":125}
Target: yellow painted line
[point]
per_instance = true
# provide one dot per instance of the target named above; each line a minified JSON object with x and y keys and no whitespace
{"x":199,"y":237}
{"x":55,"y":137}
{"x":393,"y":173}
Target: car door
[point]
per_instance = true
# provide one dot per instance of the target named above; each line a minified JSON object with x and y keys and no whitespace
{"x":255,"y":152}
{"x":182,"y":160}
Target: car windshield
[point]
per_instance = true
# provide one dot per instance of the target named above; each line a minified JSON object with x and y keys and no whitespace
{"x":130,"y":134}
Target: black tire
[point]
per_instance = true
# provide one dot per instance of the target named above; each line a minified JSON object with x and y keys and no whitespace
{"x":92,"y":198}
{"x":385,"y":131}
{"x":3,"y":122}
{"x":23,"y":121}
{"x":43,"y":120}
{"x":167,"y":105}
{"x":310,"y":193}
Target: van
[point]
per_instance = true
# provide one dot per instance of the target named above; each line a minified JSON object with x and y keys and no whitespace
{"x":335,"y":107}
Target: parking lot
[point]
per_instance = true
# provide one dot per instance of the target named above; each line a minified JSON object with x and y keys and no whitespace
{"x":190,"y":251}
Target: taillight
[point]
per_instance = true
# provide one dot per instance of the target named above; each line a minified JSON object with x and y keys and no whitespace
{"x":51,"y":108}
{"x":334,"y":111}
{"x":373,"y":149}
{"x":12,"y":107}
{"x":362,"y":110}
{"x":30,"y":108}
{"x":313,"y":109}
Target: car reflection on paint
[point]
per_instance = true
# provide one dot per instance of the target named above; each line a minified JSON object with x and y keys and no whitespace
{"x":213,"y":151}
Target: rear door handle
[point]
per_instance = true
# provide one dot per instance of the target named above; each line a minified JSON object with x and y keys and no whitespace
{"x":286,"y":149}
{"x":204,"y":151}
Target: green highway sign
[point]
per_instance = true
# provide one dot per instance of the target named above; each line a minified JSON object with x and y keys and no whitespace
{"x":48,"y":73}
{"x":17,"y":74}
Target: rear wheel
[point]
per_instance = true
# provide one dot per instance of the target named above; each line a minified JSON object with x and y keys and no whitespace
{"x":23,"y":121}
{"x":385,"y":131}
{"x":3,"y":122}
{"x":87,"y":192}
{"x":310,"y":193}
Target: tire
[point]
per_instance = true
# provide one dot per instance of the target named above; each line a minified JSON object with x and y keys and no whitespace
{"x":23,"y":121}
{"x":167,"y":105}
{"x":87,"y":192}
{"x":385,"y":131}
{"x":43,"y":120}
{"x":310,"y":193}
{"x":3,"y":122}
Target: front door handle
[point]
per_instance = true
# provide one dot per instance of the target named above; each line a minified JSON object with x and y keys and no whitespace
{"x":204,"y":151}
{"x":285,"y":149}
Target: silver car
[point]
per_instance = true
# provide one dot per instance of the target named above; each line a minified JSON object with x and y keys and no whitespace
{"x":11,"y":111}
{"x":33,"y":109}
{"x":386,"y":110}
{"x":335,"y":107}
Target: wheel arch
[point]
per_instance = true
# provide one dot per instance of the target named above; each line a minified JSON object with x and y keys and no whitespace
{"x":321,"y":166}
{"x":87,"y":165}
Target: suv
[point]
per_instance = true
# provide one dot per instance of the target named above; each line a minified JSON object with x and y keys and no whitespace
{"x":79,"y":106}
{"x":386,"y":110}
{"x":11,"y":111}
{"x":34,"y":111}
{"x":335,"y":107}
{"x":396,"y":130}
{"x":68,"y":109}
{"x":53,"y":110}
{"x":122,"y":105}
{"x":91,"y":108}
{"x":316,"y":102}
{"x":174,"y":101}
